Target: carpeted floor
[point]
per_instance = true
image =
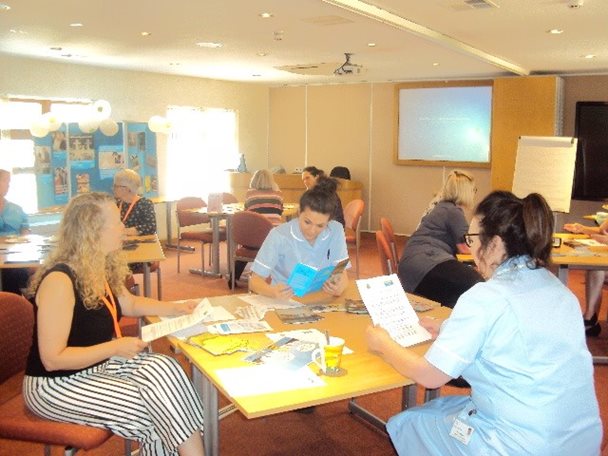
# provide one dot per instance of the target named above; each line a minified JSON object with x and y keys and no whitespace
{"x":330,"y":430}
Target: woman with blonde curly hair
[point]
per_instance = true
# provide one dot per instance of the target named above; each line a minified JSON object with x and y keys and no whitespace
{"x":80,"y":370}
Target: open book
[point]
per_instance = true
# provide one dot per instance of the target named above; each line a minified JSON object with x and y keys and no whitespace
{"x":389,"y":308}
{"x":305,"y":279}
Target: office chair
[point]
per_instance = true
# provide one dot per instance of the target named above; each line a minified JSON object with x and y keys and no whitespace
{"x":389,"y":235}
{"x":352,"y":216}
{"x":384,"y":254}
{"x":249,"y":229}
{"x":16,"y":421}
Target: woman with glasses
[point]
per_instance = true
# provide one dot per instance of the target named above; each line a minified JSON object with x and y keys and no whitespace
{"x":428,"y":265}
{"x":518,"y":340}
{"x":136,"y":212}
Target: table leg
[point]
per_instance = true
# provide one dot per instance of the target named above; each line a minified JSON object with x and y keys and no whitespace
{"x":147,"y":287}
{"x":600,"y":360}
{"x":209,"y":398}
{"x":366,"y":415}
{"x":562,"y":274}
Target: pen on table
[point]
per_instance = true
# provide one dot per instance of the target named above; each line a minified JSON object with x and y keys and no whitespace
{"x":328,"y":251}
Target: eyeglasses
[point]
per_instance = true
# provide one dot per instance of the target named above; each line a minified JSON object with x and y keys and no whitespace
{"x":468,"y":238}
{"x":119,"y":186}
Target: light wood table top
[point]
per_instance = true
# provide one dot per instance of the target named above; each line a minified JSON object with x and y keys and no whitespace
{"x":367,"y":373}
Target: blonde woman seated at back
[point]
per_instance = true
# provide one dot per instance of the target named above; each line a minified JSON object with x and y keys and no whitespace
{"x":428,"y":265}
{"x":263,"y":197}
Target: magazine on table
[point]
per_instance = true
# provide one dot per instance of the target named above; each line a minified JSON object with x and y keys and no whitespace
{"x":390,"y":308}
{"x":305,"y":279}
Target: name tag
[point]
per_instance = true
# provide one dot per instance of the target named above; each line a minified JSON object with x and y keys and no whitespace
{"x":461,"y":431}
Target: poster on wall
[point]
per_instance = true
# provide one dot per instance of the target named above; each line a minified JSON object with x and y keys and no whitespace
{"x":141,"y":156}
{"x":69,"y":162}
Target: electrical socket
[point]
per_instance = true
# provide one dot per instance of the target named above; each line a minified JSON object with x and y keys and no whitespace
{"x":298,"y":170}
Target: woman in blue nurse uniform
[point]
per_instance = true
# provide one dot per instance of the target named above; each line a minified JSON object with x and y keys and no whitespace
{"x":313,"y":239}
{"x":517,"y":338}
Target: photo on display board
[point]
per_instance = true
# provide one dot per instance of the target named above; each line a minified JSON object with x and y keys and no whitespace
{"x":132,"y":139}
{"x":60,"y":180}
{"x":81,"y":148}
{"x":83,"y":183}
{"x":42,"y":163}
{"x":59,"y":142}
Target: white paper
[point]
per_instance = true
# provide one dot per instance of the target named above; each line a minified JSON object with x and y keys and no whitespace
{"x":265,"y":379}
{"x":239,"y":327}
{"x":389,"y":308}
{"x":269,"y":303}
{"x":170,"y":325}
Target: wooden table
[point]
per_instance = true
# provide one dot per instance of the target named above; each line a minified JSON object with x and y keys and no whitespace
{"x":30,"y":251}
{"x":367,"y":373}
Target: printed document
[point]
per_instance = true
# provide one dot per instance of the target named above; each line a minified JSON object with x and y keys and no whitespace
{"x":389,"y":308}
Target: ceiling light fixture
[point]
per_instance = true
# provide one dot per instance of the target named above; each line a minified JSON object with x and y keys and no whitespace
{"x":435,"y":64}
{"x":146,"y":33}
{"x":76,"y":24}
{"x":266,"y":15}
{"x":4,"y":7}
{"x":371,"y":45}
{"x":555,"y":31}
{"x":589,"y":56}
{"x":262,"y":54}
{"x":209,"y":44}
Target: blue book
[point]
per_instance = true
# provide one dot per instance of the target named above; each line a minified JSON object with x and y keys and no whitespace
{"x":305,"y":279}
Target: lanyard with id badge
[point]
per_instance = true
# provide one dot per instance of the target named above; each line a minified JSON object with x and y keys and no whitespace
{"x":461,"y":430}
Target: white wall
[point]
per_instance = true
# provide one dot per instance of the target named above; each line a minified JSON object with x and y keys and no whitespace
{"x":136,"y":96}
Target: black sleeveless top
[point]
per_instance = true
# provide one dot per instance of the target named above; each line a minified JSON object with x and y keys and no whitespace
{"x":89,"y":327}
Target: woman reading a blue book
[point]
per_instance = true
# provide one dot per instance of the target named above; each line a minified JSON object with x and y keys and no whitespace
{"x":297,"y":252}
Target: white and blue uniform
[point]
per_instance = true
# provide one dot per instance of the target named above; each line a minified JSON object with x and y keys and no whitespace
{"x":519,"y":340}
{"x":285,"y":246}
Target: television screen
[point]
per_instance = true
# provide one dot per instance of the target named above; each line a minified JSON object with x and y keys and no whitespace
{"x":445,"y":123}
{"x":591,"y":168}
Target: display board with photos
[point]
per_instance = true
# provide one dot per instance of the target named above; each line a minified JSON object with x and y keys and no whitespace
{"x":69,"y":162}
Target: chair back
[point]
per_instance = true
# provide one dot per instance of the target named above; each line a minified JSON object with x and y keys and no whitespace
{"x":16,"y":325}
{"x":250,"y":229}
{"x":384,"y":253}
{"x":352,"y":214}
{"x":229,"y":198}
{"x":389,"y":234}
{"x":340,"y":171}
{"x":187,"y":218}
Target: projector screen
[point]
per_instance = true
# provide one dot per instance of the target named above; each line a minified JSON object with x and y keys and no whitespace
{"x":442,"y":123}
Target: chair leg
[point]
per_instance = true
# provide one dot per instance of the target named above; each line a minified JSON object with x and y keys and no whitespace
{"x":69,"y":451}
{"x":159,"y":284}
{"x":178,"y":250}
{"x":357,"y":257}
{"x":232,"y":273}
{"x":203,"y":258}
{"x":127,"y":447}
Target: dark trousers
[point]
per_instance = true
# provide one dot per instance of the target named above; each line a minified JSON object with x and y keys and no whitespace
{"x":15,"y":279}
{"x":447,"y":281}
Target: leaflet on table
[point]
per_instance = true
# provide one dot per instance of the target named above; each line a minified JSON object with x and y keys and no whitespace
{"x":239,"y":327}
{"x":307,"y":335}
{"x":265,"y":379}
{"x":305,"y":279}
{"x":287,"y":352}
{"x":389,"y":308}
{"x":168,"y":325}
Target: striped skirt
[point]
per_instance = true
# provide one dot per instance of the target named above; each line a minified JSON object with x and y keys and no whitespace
{"x":147,"y":398}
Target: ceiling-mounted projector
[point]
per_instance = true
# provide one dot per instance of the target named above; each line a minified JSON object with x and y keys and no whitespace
{"x":347,"y":67}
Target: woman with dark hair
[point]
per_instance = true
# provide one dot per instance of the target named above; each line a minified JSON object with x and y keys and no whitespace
{"x":532,"y":389}
{"x":311,"y":176}
{"x":313,"y":239}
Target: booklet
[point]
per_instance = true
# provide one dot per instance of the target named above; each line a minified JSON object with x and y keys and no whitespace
{"x":390,"y":308}
{"x":305,"y":279}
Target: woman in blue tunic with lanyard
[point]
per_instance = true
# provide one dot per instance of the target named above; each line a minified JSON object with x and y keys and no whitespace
{"x":517,"y":338}
{"x":313,"y":239}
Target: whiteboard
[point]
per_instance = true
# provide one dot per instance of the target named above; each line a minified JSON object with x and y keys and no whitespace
{"x":545,"y":165}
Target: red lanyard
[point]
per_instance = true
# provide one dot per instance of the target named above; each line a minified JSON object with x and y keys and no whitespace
{"x":111,"y":305}
{"x":124,"y":219}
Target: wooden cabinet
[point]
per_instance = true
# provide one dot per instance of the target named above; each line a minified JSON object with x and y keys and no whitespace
{"x":292,"y":187}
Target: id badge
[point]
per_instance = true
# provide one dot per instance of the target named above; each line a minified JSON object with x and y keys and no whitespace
{"x":461,"y":431}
